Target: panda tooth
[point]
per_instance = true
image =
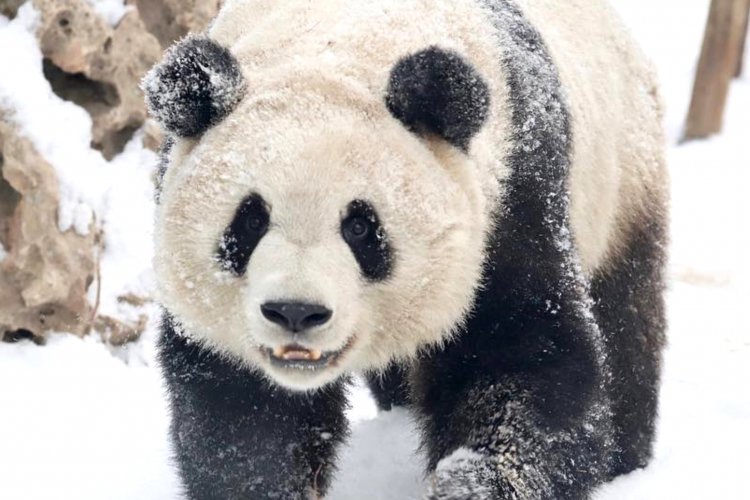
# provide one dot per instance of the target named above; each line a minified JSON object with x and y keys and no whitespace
{"x":296,"y":355}
{"x":315,"y":355}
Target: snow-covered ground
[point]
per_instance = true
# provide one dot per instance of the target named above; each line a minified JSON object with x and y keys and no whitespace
{"x":81,"y":421}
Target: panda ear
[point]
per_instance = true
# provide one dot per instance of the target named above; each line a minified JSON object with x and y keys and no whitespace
{"x":435,"y":91}
{"x":197,"y":84}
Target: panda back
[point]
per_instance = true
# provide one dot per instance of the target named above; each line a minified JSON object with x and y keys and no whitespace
{"x":617,"y":170}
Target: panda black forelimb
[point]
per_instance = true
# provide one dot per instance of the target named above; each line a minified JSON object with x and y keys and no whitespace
{"x":236,"y":436}
{"x":516,"y":411}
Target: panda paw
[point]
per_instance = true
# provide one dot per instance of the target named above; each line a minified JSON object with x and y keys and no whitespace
{"x":465,"y":475}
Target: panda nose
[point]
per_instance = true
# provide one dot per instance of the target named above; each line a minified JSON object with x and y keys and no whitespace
{"x":296,"y":316}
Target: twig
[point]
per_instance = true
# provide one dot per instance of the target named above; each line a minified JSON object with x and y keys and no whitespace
{"x":97,"y":273}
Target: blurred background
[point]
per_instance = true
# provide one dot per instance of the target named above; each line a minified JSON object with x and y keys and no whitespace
{"x":82,"y":412}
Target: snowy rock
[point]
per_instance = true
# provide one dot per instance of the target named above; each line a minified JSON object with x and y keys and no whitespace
{"x":117,"y":333}
{"x":45,"y":273}
{"x":97,"y":51}
{"x":170,"y":20}
{"x":98,"y":66}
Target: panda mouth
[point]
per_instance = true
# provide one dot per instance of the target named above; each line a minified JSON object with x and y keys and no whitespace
{"x":295,"y":356}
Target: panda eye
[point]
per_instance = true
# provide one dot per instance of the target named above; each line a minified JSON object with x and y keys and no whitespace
{"x":248,"y":227}
{"x":368,"y":241}
{"x":255,"y":223}
{"x":358,"y":227}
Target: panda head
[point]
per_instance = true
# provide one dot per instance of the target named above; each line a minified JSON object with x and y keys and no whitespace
{"x":309,"y":226}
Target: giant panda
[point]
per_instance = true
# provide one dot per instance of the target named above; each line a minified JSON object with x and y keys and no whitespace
{"x":465,"y":201}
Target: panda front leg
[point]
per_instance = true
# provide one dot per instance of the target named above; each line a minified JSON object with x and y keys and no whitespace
{"x":236,"y":437}
{"x":515,"y":413}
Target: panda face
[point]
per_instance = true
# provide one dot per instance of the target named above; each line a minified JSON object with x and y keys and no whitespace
{"x":320,"y":228}
{"x":311,"y":247}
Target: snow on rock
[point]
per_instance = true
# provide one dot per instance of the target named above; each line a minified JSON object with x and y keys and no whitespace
{"x":111,"y":11}
{"x":44,"y":273}
{"x":97,"y":66}
{"x":59,"y":129}
{"x":118,"y":192}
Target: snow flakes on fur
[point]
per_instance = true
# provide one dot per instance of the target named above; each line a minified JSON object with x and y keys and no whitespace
{"x":197,"y":84}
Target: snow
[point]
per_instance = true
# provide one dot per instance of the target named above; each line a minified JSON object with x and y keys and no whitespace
{"x":380,"y":461}
{"x":128,"y":205}
{"x":78,"y":423}
{"x":83,"y":421}
{"x":111,"y":10}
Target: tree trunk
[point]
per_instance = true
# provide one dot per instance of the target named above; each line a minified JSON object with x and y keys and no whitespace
{"x":743,"y":43}
{"x":716,"y":67}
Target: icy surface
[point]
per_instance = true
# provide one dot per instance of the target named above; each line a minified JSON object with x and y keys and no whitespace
{"x":80,"y":423}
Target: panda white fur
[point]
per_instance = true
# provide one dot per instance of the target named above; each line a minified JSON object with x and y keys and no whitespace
{"x":465,"y":200}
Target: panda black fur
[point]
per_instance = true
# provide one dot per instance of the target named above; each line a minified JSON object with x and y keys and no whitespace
{"x":545,"y":383}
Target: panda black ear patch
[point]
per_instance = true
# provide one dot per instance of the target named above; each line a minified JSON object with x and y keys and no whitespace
{"x":435,"y":91}
{"x":197,"y":84}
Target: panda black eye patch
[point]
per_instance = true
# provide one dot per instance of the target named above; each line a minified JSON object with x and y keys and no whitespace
{"x":362,"y":231}
{"x":248,"y":227}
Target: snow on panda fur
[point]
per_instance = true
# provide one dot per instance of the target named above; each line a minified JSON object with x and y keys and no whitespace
{"x":466,"y":200}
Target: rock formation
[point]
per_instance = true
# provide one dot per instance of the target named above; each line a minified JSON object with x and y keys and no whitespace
{"x":8,"y":8}
{"x":170,"y":20}
{"x":97,"y":64}
{"x":44,"y":274}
